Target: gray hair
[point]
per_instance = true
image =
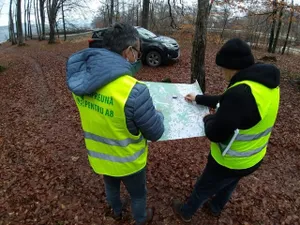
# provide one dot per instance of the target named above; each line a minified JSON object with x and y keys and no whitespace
{"x":119,"y":37}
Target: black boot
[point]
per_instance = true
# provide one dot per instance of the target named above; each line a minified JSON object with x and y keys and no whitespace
{"x":150,"y":214}
{"x":110,"y":212}
{"x":208,"y":209}
{"x":176,"y":206}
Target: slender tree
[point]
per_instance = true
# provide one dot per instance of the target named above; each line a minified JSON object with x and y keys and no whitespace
{"x":25,"y":21}
{"x":108,"y":13}
{"x":123,"y":10}
{"x":12,"y":35}
{"x":137,"y":13}
{"x":64,"y":21}
{"x":111,"y":14}
{"x":1,"y":6}
{"x":274,"y":15}
{"x":173,"y":24}
{"x":52,"y":9}
{"x":289,"y":28}
{"x":29,"y":3}
{"x":117,"y":11}
{"x":210,"y":6}
{"x":199,"y":44}
{"x":225,"y":16}
{"x":278,"y":27}
{"x":42,"y":16}
{"x":19,"y":24}
{"x":37,"y":19}
{"x":145,"y":14}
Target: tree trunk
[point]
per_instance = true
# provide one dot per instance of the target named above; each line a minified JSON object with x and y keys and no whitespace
{"x":145,"y":14}
{"x":152,"y":15}
{"x":225,"y":22}
{"x":250,"y":32}
{"x":16,"y":20}
{"x":182,"y":8}
{"x":137,"y":14}
{"x":35,"y":14}
{"x":37,"y":20}
{"x":173,"y":24}
{"x":123,"y":11}
{"x":289,"y":28}
{"x":52,"y":8}
{"x":199,"y":44}
{"x":42,"y":14}
{"x":210,"y":6}
{"x":52,"y":31}
{"x":273,"y":26}
{"x":57,"y":31}
{"x":278,"y":27}
{"x":28,"y":18}
{"x":111,"y":14}
{"x":104,"y":15}
{"x":258,"y":36}
{"x":265,"y":36}
{"x":25,"y":24}
{"x":117,"y":11}
{"x":19,"y":24}
{"x":64,"y":22}
{"x":256,"y":33}
{"x":11,"y":25}
{"x":108,"y":14}
{"x":132,"y":12}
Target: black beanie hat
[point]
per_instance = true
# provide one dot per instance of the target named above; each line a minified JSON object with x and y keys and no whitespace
{"x":235,"y":54}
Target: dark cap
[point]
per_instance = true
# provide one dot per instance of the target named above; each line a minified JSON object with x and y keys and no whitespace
{"x":235,"y":54}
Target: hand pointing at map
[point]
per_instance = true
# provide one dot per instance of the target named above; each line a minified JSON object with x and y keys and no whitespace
{"x":190,"y":97}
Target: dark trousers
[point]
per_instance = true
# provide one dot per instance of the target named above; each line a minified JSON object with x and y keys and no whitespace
{"x":136,"y":187}
{"x":214,"y":183}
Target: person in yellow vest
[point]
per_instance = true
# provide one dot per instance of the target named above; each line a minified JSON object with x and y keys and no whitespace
{"x":239,"y":130}
{"x":117,"y":116}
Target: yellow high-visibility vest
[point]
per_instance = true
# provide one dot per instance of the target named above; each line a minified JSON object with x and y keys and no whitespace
{"x":249,"y":146}
{"x":112,"y":149}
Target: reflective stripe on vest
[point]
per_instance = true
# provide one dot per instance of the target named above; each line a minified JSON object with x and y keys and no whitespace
{"x":112,"y":142}
{"x":249,"y":146}
{"x":116,"y":158}
{"x":247,"y":137}
{"x":243,"y":154}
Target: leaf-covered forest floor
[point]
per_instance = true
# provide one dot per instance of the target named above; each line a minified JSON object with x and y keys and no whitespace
{"x":45,"y":177}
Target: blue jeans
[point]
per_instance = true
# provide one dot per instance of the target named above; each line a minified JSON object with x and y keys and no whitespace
{"x":211,"y":184}
{"x":136,"y":187}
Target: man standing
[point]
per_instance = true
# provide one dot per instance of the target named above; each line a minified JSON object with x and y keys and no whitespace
{"x":117,"y":116}
{"x":246,"y":115}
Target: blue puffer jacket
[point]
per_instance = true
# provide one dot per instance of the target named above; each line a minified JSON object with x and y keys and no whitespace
{"x":93,"y":68}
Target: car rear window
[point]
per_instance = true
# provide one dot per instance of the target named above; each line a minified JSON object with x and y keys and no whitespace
{"x":97,"y":34}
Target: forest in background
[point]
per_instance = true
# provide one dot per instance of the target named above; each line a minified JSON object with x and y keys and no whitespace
{"x":269,"y":24}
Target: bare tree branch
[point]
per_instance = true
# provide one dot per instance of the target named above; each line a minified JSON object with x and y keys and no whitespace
{"x":1,"y":7}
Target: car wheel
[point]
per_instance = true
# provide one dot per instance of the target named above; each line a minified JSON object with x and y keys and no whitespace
{"x":153,"y":58}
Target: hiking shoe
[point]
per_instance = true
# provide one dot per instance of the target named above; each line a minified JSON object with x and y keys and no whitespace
{"x":150,"y":214}
{"x":109,"y":212}
{"x":176,"y":206}
{"x":208,"y":209}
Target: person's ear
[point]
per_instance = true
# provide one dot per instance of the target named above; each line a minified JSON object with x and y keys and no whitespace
{"x":126,"y":53}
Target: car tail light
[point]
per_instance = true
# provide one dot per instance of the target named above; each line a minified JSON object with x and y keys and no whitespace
{"x":91,"y":40}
